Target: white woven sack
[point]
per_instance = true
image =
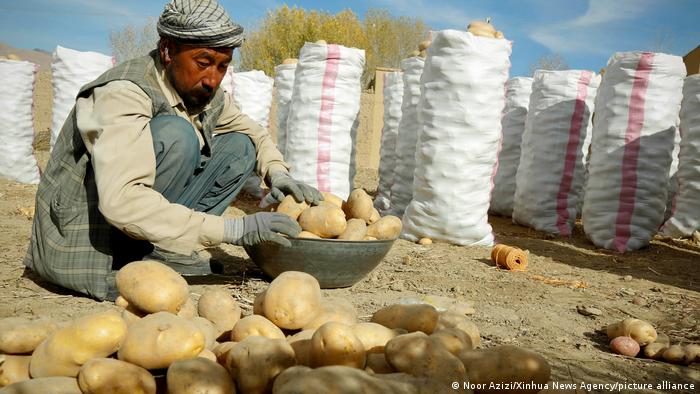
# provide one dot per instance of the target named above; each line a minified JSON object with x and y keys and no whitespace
{"x":17,"y":160}
{"x":324,"y":115}
{"x":284,"y":84}
{"x":673,"y":173}
{"x":463,"y":96}
{"x":252,"y":92}
{"x":685,"y":219}
{"x":71,"y":70}
{"x":393,"y":96}
{"x":513,"y":124}
{"x":405,"y":165}
{"x":550,"y":176}
{"x":636,"y":111}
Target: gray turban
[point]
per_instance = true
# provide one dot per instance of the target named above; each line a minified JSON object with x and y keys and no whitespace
{"x":199,"y":22}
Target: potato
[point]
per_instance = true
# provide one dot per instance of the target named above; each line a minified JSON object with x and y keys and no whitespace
{"x":219,"y":307}
{"x":290,"y":207}
{"x":208,"y":354}
{"x":255,"y":325}
{"x":674,"y":354}
{"x":67,"y":349}
{"x":160,"y":339}
{"x":110,"y":376}
{"x":19,"y":335}
{"x":641,"y":331}
{"x":417,"y":355}
{"x":359,"y":205}
{"x":188,"y":310}
{"x":301,"y":343}
{"x":374,"y":217}
{"x":333,"y":199}
{"x":453,"y":340}
{"x":323,"y":220}
{"x":256,"y":361}
{"x":453,"y":319}
{"x":221,"y":351}
{"x":306,"y":234}
{"x":52,"y":385}
{"x":340,"y":379}
{"x":335,"y":344}
{"x":410,"y":317}
{"x":625,"y":346}
{"x":388,"y":227}
{"x":368,"y":238}
{"x":692,"y":354}
{"x":354,"y":231}
{"x":13,"y":369}
{"x":655,"y":350}
{"x":481,"y":28}
{"x":198,"y":375}
{"x":376,"y":363}
{"x":259,"y":303}
{"x":425,"y":241}
{"x":333,"y":309}
{"x":374,"y":336}
{"x":121,"y":302}
{"x":208,"y":329}
{"x":505,"y":364}
{"x":130,"y":314}
{"x":152,"y":286}
{"x":292,"y":299}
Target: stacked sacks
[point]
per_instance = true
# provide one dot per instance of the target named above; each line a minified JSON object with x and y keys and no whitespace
{"x":324,"y":116}
{"x":686,"y":215}
{"x":17,"y":160}
{"x":513,"y":122}
{"x":393,"y":96}
{"x":284,"y":84}
{"x":460,"y":110}
{"x":636,"y":111}
{"x":405,"y":164}
{"x":70,"y":71}
{"x":549,"y":180}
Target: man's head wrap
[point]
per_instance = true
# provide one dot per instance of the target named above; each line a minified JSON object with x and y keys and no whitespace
{"x":199,"y":22}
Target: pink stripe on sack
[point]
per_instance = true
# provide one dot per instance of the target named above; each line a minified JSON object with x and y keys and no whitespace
{"x":628,"y":189}
{"x":325,"y":121}
{"x":571,"y":153}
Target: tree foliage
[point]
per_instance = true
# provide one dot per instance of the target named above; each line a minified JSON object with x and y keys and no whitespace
{"x":133,"y":41}
{"x":281,"y":34}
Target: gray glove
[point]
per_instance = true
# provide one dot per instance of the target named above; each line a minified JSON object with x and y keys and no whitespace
{"x":260,"y":227}
{"x":282,"y":184}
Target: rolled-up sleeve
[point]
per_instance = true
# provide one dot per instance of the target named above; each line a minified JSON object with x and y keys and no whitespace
{"x":269,"y":158}
{"x":114,"y":124}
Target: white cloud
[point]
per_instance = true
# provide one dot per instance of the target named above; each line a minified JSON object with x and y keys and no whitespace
{"x":590,"y":32}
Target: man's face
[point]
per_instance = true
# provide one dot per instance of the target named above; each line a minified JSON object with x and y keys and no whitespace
{"x":195,"y":72}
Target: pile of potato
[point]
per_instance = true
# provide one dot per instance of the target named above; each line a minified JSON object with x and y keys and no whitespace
{"x":353,"y":220}
{"x":631,"y":337}
{"x":296,"y":341}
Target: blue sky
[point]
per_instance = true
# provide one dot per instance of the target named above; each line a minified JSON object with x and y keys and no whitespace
{"x":584,"y":32}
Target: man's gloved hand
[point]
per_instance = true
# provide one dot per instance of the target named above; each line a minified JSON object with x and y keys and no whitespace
{"x":282,"y":184}
{"x":260,"y":227}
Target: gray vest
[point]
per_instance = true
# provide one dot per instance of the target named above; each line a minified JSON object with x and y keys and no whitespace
{"x":72,"y":244}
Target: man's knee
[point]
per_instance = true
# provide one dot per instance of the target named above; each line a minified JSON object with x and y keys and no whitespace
{"x":236,"y":145}
{"x":175,"y":139}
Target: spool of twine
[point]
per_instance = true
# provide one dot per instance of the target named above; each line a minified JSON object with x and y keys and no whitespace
{"x":508,"y":257}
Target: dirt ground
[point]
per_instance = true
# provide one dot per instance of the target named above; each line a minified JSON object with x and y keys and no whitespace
{"x":660,"y":284}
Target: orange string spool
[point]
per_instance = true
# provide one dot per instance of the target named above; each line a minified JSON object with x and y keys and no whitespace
{"x":508,"y":257}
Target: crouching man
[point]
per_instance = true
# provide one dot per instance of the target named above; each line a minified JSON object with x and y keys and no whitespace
{"x":150,"y":157}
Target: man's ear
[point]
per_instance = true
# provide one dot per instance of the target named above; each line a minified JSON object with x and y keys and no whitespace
{"x":165,"y":48}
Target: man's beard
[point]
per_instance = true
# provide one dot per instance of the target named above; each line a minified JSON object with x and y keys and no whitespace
{"x":196,"y":98}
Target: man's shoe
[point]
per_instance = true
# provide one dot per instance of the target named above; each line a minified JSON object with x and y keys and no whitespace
{"x":198,"y":263}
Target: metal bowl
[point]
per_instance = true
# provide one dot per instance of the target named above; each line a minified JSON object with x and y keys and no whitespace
{"x":333,"y":263}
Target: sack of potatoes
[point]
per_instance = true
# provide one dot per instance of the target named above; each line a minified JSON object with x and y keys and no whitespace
{"x":333,"y":218}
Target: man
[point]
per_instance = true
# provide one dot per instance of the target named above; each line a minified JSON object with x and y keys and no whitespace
{"x":150,"y":157}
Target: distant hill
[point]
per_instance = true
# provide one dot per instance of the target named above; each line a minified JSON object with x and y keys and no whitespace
{"x":36,"y":56}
